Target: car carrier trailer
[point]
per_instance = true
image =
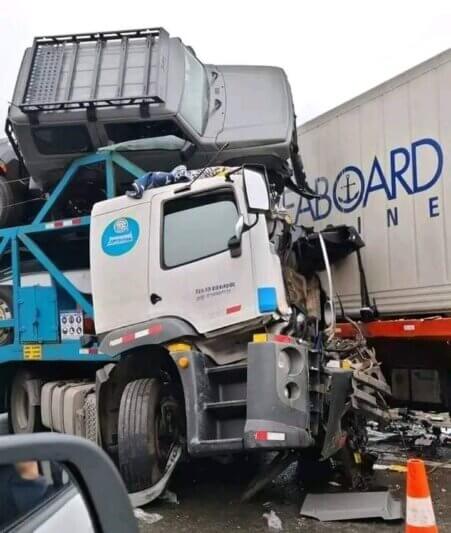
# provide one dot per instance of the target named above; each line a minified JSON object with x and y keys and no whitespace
{"x":225,"y":374}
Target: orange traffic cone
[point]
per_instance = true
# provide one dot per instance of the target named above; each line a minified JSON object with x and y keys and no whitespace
{"x":419,"y":511}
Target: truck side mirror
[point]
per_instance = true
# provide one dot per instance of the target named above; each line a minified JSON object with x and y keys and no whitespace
{"x":235,"y":241}
{"x":256,"y":190}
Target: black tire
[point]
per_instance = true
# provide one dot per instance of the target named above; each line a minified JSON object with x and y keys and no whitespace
{"x":143,"y":445}
{"x":10,"y":193}
{"x":23,"y":417}
{"x":6,"y":313}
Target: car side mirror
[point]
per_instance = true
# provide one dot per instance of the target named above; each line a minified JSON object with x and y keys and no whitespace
{"x":256,"y":190}
{"x":47,"y":463}
{"x":235,"y":241}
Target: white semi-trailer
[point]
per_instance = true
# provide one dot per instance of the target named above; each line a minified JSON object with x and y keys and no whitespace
{"x":381,"y":163}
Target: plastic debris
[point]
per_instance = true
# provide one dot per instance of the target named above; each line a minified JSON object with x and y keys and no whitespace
{"x":380,"y":467}
{"x":169,"y":497}
{"x":273,"y":521}
{"x":148,"y":518}
{"x":419,"y":431}
{"x":351,"y":506}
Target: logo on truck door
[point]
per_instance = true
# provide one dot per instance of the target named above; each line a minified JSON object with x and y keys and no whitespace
{"x":120,"y":236}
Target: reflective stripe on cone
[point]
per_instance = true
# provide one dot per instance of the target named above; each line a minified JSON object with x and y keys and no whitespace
{"x":420,"y":516}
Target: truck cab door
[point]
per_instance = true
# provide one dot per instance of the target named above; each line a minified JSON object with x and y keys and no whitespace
{"x":193,"y":275}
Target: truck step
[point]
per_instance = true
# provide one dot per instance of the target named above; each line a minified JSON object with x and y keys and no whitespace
{"x":218,"y":446}
{"x":227,"y":373}
{"x":227,"y":409}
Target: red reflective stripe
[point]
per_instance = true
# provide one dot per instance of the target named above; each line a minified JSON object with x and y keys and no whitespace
{"x":155,"y":329}
{"x":128,"y":338}
{"x":436,"y":329}
{"x":76,"y":221}
{"x":283,"y":338}
{"x":58,"y":224}
{"x":92,"y":351}
{"x":261,"y":435}
{"x":233,"y":309}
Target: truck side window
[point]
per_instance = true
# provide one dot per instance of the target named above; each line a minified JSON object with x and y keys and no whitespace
{"x":197,"y":227}
{"x":194,"y":106}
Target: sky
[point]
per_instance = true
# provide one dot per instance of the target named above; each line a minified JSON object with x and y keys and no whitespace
{"x":331,"y":50}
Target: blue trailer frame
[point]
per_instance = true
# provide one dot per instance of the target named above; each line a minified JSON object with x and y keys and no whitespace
{"x":37,"y":305}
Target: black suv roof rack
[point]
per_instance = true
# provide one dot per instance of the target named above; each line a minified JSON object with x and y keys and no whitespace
{"x":55,"y":63}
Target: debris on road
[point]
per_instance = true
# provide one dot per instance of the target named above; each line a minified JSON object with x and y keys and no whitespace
{"x":273,"y":521}
{"x":391,"y":468}
{"x":148,"y":518}
{"x":420,"y":431}
{"x":351,"y":506}
{"x":169,"y":497}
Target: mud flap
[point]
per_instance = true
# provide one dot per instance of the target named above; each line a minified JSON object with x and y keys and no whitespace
{"x":351,"y":506}
{"x":143,"y":497}
{"x":340,"y":387}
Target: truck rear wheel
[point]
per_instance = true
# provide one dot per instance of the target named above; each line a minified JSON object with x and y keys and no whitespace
{"x":24,"y":415}
{"x":148,"y":426}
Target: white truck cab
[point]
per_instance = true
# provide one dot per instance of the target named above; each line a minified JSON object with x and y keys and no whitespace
{"x":171,"y":254}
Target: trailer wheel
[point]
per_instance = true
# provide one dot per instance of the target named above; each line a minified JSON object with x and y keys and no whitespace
{"x":148,"y":426}
{"x":24,"y":416}
{"x":6,"y":306}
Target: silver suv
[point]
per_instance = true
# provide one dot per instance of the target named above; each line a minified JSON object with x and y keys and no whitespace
{"x":76,"y":93}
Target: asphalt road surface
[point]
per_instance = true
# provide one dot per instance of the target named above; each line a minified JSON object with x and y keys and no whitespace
{"x":209,"y":496}
{"x":209,"y":502}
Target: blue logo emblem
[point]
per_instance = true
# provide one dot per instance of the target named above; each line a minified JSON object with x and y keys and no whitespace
{"x":348,"y":189}
{"x":120,"y":236}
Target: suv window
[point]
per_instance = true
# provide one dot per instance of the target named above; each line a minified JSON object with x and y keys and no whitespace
{"x":198,"y":226}
{"x":52,"y":140}
{"x":120,"y":132}
{"x":194,"y":106}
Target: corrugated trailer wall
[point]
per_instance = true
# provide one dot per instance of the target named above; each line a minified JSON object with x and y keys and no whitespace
{"x":382,"y":163}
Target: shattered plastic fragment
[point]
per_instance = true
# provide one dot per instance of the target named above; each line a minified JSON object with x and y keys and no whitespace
{"x":169,"y":497}
{"x":273,"y":521}
{"x":148,"y":518}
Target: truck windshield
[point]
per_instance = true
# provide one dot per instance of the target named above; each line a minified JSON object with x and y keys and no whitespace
{"x":194,"y":105}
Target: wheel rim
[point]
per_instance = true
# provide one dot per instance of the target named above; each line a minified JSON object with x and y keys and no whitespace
{"x":5,"y":314}
{"x":166,"y":430}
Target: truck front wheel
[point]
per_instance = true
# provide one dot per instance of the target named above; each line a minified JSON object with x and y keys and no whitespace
{"x":148,"y":426}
